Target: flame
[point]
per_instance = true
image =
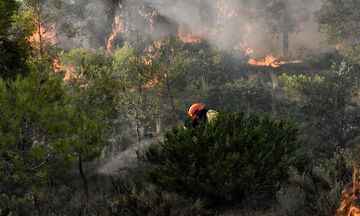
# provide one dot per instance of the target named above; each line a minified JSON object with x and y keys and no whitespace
{"x":117,"y":27}
{"x":337,"y":46}
{"x":243,"y":46}
{"x":350,"y":205}
{"x":151,"y":83}
{"x":225,"y":11}
{"x":48,"y":34}
{"x":149,"y":17}
{"x":56,"y":66}
{"x":271,"y":61}
{"x":188,"y":37}
{"x":69,"y":71}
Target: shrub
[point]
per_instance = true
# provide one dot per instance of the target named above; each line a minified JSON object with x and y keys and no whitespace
{"x":318,"y":191}
{"x":227,"y":160}
{"x":137,"y":197}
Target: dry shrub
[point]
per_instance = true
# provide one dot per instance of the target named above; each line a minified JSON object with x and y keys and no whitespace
{"x":317,"y":191}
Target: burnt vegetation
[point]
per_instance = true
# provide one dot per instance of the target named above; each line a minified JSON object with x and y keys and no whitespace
{"x":94,"y":94}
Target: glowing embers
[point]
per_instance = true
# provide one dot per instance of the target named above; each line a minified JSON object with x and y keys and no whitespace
{"x":271,"y":61}
{"x":351,"y":203}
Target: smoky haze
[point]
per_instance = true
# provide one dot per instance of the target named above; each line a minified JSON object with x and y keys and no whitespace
{"x":256,"y":25}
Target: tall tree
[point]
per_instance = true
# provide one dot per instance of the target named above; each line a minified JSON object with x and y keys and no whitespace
{"x":95,"y":93}
{"x":283,"y":17}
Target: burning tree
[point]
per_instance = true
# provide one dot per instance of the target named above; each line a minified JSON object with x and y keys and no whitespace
{"x":45,"y":28}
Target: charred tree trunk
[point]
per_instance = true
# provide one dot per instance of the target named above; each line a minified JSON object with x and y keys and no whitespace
{"x":285,"y":43}
{"x":83,"y":177}
{"x":285,"y":27}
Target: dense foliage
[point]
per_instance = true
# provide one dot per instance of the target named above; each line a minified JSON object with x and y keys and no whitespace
{"x":227,"y":160}
{"x":339,"y":21}
{"x":15,"y":26}
{"x":69,"y":107}
{"x":327,"y":106}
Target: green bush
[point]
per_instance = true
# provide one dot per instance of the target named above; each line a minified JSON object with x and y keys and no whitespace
{"x":227,"y":160}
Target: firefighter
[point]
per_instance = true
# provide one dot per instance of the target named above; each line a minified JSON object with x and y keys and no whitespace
{"x":198,"y":113}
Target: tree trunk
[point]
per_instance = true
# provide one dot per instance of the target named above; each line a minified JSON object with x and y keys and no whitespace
{"x":138,"y":137}
{"x":83,"y":177}
{"x":285,"y":32}
{"x":274,"y":79}
{"x":39,"y":32}
{"x":285,"y":43}
{"x":158,"y":125}
{"x":171,"y":97}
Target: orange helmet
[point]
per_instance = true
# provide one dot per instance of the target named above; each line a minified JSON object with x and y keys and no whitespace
{"x":194,"y":109}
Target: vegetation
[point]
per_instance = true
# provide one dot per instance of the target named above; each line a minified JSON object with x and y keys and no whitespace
{"x":339,"y":20}
{"x":316,"y":191}
{"x":69,"y":107}
{"x":225,"y":161}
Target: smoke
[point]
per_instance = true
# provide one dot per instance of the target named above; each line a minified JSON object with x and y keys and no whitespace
{"x":225,"y":24}
{"x":256,"y":24}
{"x":127,"y":158}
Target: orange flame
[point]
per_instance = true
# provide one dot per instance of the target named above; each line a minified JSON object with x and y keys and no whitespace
{"x":45,"y":34}
{"x":243,"y":46}
{"x":337,"y":46}
{"x":350,"y":205}
{"x":149,"y":17}
{"x":117,"y":27}
{"x":151,"y":83}
{"x":69,"y":71}
{"x":271,"y":61}
{"x":188,"y":37}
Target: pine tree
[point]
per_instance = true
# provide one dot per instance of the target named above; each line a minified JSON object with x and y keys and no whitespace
{"x":227,"y":160}
{"x":15,"y":27}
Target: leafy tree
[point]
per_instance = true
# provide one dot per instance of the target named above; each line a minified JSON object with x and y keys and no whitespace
{"x":95,"y":93}
{"x":227,"y":160}
{"x":15,"y":27}
{"x":339,"y":21}
{"x":326,"y":106}
{"x":135,"y":76}
{"x":171,"y":64}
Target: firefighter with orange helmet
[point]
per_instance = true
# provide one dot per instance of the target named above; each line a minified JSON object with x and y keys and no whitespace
{"x":198,"y":113}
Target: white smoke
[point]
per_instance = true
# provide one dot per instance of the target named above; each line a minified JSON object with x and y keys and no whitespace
{"x":127,"y":158}
{"x":225,"y":24}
